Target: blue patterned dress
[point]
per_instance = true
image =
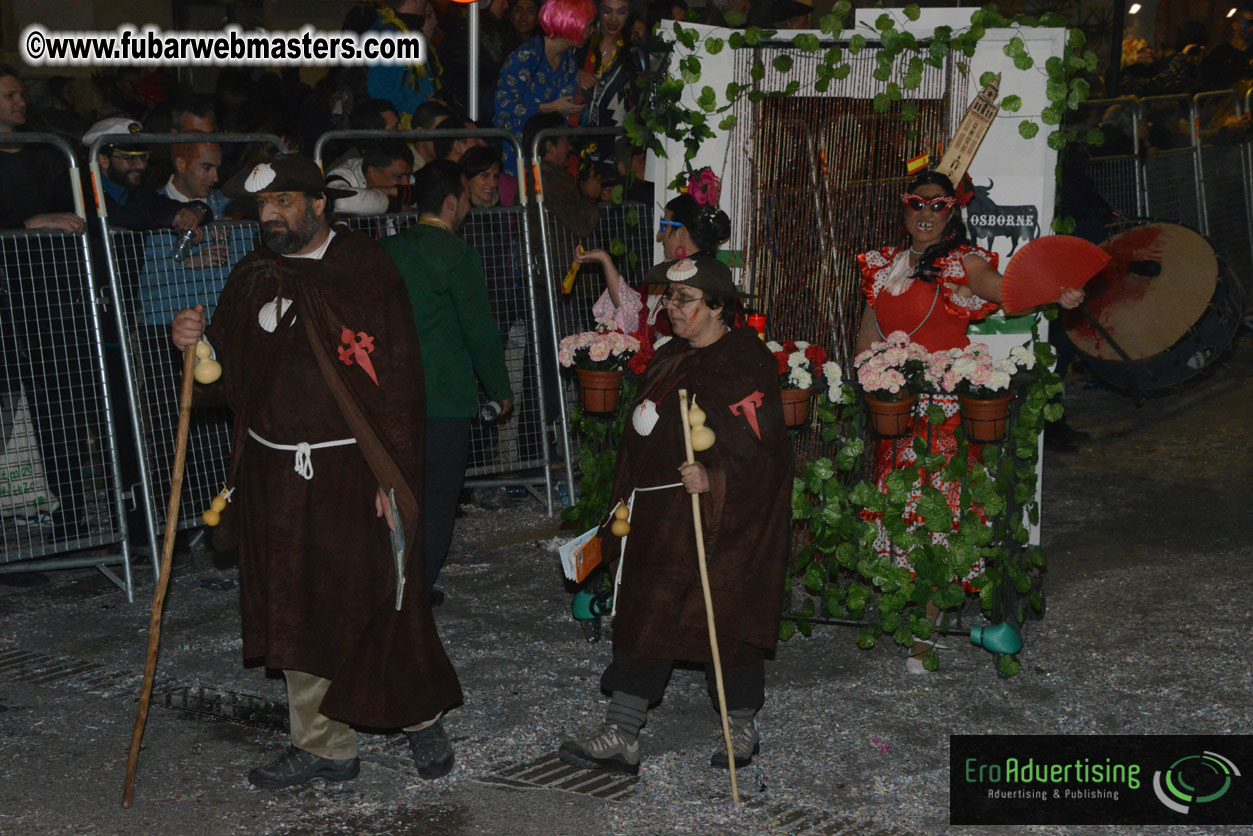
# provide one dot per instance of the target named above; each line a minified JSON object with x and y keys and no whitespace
{"x":527,"y":81}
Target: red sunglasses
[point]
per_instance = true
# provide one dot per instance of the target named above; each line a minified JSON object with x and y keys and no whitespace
{"x":935,"y":204}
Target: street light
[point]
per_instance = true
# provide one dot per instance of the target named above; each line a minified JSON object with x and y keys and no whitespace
{"x":1135,"y":7}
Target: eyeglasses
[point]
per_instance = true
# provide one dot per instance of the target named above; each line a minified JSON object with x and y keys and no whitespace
{"x":664,"y":224}
{"x":679,"y":299}
{"x":935,"y":204}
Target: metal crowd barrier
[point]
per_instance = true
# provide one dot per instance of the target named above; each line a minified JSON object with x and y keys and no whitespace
{"x":570,"y":313}
{"x":148,"y":287}
{"x":1203,"y":180}
{"x":61,"y":489}
{"x":1117,"y":176}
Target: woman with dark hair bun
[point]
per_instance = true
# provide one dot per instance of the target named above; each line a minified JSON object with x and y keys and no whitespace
{"x":689,"y":226}
{"x":931,"y":289}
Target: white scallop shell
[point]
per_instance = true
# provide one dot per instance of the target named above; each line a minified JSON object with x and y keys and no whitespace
{"x":681,"y":270}
{"x":260,"y":177}
{"x":271,"y":313}
{"x":644,"y":417}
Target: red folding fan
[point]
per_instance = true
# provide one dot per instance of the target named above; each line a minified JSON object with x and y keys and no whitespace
{"x":1042,"y":269}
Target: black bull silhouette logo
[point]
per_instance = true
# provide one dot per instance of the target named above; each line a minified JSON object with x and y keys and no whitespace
{"x":987,"y":220}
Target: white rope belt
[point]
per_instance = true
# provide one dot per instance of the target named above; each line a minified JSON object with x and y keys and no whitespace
{"x":617,"y":580}
{"x":304,"y":450}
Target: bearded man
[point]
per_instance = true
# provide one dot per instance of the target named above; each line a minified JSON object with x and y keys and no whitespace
{"x":322,"y":369}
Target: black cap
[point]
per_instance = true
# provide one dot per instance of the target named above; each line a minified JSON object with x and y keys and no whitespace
{"x":283,"y":173}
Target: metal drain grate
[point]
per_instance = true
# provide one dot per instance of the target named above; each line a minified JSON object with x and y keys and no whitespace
{"x":244,"y":709}
{"x":552,"y":773}
{"x":36,"y":668}
{"x":807,"y":820}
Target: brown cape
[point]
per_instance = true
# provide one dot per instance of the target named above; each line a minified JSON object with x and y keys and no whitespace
{"x":746,"y":514}
{"x":317,"y":579}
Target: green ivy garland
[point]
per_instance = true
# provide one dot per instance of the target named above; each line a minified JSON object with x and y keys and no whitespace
{"x":846,"y":578}
{"x":900,"y":62}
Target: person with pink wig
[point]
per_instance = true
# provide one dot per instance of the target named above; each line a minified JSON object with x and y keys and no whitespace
{"x":541,"y":76}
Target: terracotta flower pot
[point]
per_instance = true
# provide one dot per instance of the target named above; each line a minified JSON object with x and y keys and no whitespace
{"x":795,"y":405}
{"x":890,"y":419}
{"x":599,"y":390}
{"x":984,"y":419}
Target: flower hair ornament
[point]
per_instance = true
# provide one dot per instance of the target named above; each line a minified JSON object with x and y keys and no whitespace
{"x":705,"y":187}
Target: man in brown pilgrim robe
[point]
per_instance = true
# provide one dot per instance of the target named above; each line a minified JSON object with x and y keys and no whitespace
{"x":321,"y":367}
{"x":745,"y":482}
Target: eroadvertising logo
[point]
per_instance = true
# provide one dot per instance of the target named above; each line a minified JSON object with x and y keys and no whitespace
{"x":1099,"y":779}
{"x":1173,"y":789}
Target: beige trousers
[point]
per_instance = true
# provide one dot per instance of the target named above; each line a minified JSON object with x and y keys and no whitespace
{"x":312,"y":730}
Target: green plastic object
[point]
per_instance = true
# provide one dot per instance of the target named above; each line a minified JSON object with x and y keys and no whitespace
{"x":999,"y":638}
{"x":586,"y":605}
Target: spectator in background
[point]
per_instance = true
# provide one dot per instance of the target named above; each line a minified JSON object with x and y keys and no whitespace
{"x":380,"y":180}
{"x":1181,"y":71}
{"x":573,"y":204}
{"x":481,"y":168}
{"x":541,"y":76}
{"x":523,"y":19}
{"x":629,"y":162}
{"x":429,"y":116}
{"x":370,"y":115}
{"x":608,"y":67}
{"x":1139,"y":65}
{"x":61,"y":111}
{"x":407,"y":86}
{"x":194,"y":114}
{"x":128,"y":204}
{"x":454,"y":148}
{"x":36,"y":188}
{"x":1232,"y":61}
{"x":165,"y":285}
{"x":197,"y":170}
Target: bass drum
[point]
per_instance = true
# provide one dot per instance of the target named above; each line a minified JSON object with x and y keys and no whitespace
{"x":1168,"y":307}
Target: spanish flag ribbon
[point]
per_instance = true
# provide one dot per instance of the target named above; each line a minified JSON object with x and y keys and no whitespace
{"x":918,"y":163}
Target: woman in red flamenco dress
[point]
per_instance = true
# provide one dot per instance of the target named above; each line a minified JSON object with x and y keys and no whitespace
{"x":931,"y":289}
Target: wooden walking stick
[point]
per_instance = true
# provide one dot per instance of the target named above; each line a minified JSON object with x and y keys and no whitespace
{"x":709,"y":603}
{"x":167,"y":555}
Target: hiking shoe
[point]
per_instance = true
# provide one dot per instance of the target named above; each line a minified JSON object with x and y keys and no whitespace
{"x":297,"y":766}
{"x":609,"y":749}
{"x":432,"y":750}
{"x":745,"y":740}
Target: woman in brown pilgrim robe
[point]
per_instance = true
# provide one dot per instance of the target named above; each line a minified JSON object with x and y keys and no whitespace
{"x":745,"y":486}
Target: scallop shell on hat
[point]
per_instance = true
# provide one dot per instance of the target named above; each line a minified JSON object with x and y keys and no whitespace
{"x":260,"y":177}
{"x":271,"y":312}
{"x":644,"y":417}
{"x":681,"y":270}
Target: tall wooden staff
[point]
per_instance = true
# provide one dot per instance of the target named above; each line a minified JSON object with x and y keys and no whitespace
{"x":709,"y":603}
{"x":167,"y":554}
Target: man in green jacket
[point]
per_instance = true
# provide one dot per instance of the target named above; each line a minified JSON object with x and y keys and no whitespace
{"x":460,"y":339}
